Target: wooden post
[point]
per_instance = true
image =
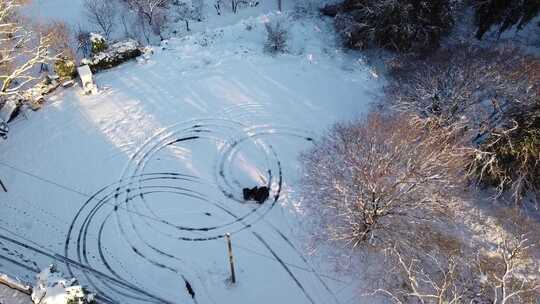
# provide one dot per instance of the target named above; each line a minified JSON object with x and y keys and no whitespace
{"x":231,"y":259}
{"x":279,"y":5}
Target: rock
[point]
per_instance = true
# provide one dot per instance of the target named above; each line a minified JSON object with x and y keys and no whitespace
{"x":10,"y":108}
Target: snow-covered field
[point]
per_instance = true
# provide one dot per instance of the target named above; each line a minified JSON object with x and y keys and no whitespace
{"x":133,"y":189}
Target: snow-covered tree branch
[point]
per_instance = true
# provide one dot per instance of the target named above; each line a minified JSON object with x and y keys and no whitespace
{"x":370,"y":182}
{"x":506,"y":275}
{"x":21,"y":49}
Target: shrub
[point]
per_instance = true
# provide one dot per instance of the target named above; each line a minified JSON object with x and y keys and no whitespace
{"x":398,"y":25}
{"x":452,"y":84}
{"x":510,"y":157}
{"x":65,"y":67}
{"x":98,"y":43}
{"x":276,"y":39}
{"x":116,"y":54}
{"x":493,"y":92}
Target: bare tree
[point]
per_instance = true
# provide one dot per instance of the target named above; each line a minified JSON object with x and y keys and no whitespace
{"x":148,"y":8}
{"x":375,"y":181}
{"x":125,"y":19}
{"x":149,"y":17}
{"x":84,"y":45}
{"x":236,"y":3}
{"x":185,"y":11}
{"x":507,"y":275}
{"x":21,"y":49}
{"x":495,"y":92}
{"x":414,"y":283}
{"x":510,"y":275}
{"x":61,"y":39}
{"x":159,"y":24}
{"x":102,"y":13}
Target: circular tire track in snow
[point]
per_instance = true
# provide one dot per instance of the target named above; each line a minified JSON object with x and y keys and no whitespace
{"x":94,"y":222}
{"x":131,"y":201}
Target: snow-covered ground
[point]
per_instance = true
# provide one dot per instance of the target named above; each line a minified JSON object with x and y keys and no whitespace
{"x":133,"y":189}
{"x":71,"y":12}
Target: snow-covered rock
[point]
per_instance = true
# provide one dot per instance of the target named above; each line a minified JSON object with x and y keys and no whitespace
{"x":9,"y":108}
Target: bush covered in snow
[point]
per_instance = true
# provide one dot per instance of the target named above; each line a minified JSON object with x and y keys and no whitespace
{"x":494,"y":93}
{"x":276,"y":39}
{"x":509,"y":159}
{"x":115,"y":54}
{"x":98,"y":43}
{"x":52,"y":288}
{"x":399,"y":25}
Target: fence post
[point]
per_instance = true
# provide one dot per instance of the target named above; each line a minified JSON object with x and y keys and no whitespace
{"x":231,"y":259}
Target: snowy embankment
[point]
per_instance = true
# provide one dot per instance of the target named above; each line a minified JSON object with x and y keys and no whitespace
{"x":12,"y":291}
{"x":12,"y":296}
{"x":132,"y":190}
